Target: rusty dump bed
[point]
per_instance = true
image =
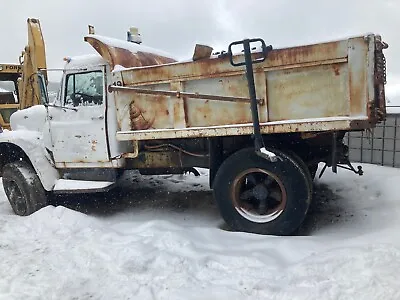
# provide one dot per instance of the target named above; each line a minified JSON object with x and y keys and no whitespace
{"x":323,"y":87}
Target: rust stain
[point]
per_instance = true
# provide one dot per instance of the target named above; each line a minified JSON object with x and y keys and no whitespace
{"x":232,"y":89}
{"x":126,"y":58}
{"x":138,"y":122}
{"x":290,"y":55}
{"x":119,"y":121}
{"x":149,"y":111}
{"x":336,"y":70}
{"x":356,"y":93}
{"x":79,"y":161}
{"x":294,"y":93}
{"x":299,"y":54}
{"x":201,"y":113}
{"x":185,"y":110}
{"x":204,"y":110}
{"x":238,"y":115}
{"x":179,"y":114}
{"x":94,"y":144}
{"x":209,"y":67}
{"x":157,"y":110}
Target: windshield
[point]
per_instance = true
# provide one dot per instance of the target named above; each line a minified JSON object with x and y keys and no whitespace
{"x":84,"y":89}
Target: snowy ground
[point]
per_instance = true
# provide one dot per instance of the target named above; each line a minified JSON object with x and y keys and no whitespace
{"x":164,"y":239}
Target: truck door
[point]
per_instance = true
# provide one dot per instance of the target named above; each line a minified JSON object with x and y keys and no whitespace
{"x":78,"y":127}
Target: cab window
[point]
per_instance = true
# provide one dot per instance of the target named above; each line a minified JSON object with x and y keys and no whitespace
{"x":8,"y":92}
{"x":43,"y":91}
{"x":84,"y":89}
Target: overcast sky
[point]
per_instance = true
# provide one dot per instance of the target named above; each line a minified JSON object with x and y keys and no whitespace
{"x":176,"y":25}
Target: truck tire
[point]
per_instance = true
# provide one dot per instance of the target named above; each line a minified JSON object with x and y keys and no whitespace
{"x":258,"y":196}
{"x":23,"y":188}
{"x":313,"y":170}
{"x":307,"y":171}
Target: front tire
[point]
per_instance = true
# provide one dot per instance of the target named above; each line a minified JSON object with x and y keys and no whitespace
{"x":258,"y":196}
{"x":23,"y":188}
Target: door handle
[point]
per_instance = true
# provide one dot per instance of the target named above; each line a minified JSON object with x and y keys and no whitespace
{"x":101,"y":117}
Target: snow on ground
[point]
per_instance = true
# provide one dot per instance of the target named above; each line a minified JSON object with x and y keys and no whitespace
{"x":163,"y":239}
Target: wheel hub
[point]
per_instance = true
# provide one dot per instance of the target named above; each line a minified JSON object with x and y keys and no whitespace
{"x":258,"y":195}
{"x":260,"y":192}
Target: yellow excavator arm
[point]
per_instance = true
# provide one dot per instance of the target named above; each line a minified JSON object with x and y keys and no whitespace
{"x":33,"y":61}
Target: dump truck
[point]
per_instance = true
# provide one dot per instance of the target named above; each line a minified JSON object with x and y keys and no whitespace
{"x":260,"y":119}
{"x":19,"y":86}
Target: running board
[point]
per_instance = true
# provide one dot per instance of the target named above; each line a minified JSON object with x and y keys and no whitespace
{"x":82,"y":186}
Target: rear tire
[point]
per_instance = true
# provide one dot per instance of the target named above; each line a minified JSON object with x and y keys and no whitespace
{"x":23,"y":188}
{"x":313,"y":170}
{"x":258,"y":196}
{"x":302,"y":164}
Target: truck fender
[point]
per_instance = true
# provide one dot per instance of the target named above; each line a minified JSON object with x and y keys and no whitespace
{"x":28,"y":145}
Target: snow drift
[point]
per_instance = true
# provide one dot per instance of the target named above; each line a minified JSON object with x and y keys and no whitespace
{"x":162,"y":238}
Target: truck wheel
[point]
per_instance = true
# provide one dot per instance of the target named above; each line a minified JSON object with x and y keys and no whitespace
{"x":258,"y":196}
{"x":23,"y":188}
{"x":304,"y":167}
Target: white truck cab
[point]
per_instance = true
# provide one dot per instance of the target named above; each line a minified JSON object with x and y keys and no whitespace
{"x":68,"y":145}
{"x":82,"y":122}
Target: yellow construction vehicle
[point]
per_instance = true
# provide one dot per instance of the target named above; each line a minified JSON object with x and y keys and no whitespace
{"x":9,"y":97}
{"x":20,"y":86}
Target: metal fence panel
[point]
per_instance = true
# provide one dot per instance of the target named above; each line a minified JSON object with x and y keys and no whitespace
{"x":380,"y":146}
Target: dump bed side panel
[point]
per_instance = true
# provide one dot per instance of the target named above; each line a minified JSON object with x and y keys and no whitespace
{"x":310,"y":92}
{"x":330,"y":80}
